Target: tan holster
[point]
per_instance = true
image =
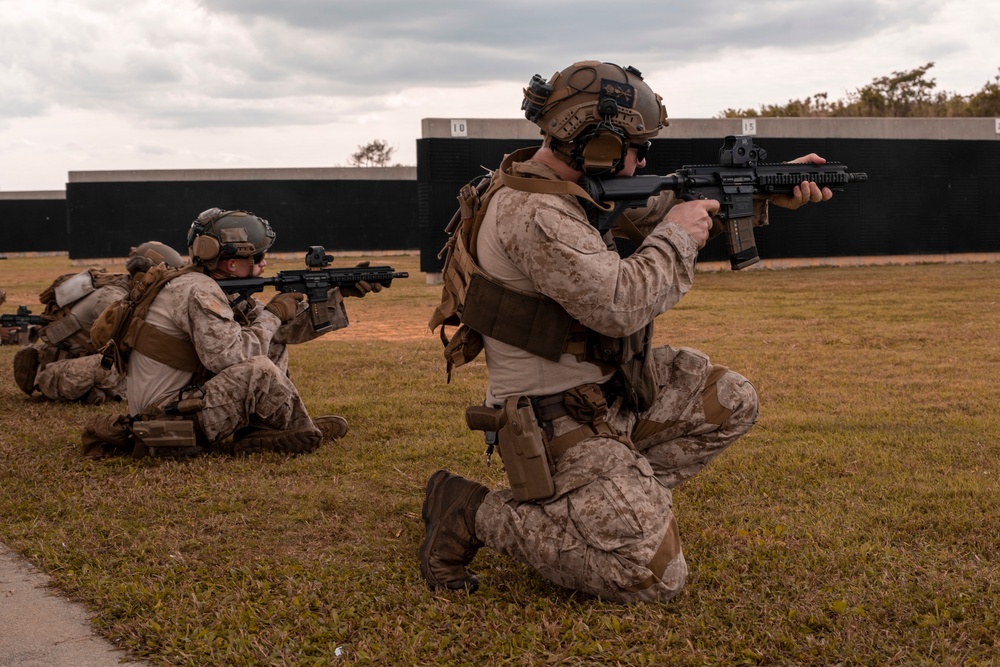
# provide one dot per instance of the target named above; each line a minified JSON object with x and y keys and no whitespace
{"x":522,"y":446}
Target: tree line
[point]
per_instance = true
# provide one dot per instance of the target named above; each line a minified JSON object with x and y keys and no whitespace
{"x":908,"y":94}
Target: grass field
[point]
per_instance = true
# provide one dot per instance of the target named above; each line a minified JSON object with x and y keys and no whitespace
{"x":857,"y":524}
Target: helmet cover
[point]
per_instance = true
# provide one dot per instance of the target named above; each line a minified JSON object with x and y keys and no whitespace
{"x":590,"y":93}
{"x":217,"y":234}
{"x":158,"y":252}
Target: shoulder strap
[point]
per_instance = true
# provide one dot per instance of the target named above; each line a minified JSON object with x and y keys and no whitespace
{"x":128,"y":329}
{"x":545,"y":186}
{"x":149,"y":340}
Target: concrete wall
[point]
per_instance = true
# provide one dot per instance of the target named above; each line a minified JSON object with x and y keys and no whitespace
{"x":304,"y":174}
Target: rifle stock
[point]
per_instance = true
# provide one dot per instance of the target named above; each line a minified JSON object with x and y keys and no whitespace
{"x":739,"y":177}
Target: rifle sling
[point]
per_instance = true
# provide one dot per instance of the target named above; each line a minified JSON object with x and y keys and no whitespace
{"x":547,"y":187}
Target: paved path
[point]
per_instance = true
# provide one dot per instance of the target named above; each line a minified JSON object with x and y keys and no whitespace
{"x":41,"y":629}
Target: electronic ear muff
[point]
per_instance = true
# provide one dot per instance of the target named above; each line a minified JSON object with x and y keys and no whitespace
{"x":603,"y":149}
{"x":208,"y":248}
{"x":205,"y":248}
{"x":602,"y":152}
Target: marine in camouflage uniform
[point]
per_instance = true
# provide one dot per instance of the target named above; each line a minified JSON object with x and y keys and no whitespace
{"x":609,"y":529}
{"x":242,"y":367}
{"x":69,"y":369}
{"x":75,"y":374}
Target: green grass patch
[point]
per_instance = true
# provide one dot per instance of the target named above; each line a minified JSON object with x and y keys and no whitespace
{"x":855,"y":525}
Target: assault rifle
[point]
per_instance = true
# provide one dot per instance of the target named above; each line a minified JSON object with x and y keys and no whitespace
{"x":740,"y":174}
{"x":314,"y":281}
{"x":22,"y":321}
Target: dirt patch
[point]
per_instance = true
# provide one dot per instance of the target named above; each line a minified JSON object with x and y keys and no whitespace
{"x":394,"y":329}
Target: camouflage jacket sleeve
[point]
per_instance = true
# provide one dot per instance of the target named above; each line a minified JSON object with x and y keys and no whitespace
{"x":550,"y":240}
{"x":218,"y":338}
{"x":300,"y":329}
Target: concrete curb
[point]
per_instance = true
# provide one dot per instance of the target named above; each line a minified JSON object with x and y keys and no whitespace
{"x":41,"y":629}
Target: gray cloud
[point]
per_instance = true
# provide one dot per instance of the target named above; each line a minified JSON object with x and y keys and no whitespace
{"x":259,"y":62}
{"x":171,"y":83}
{"x":384,"y":45}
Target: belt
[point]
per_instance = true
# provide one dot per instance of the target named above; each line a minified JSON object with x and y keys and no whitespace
{"x":553,"y":406}
{"x":550,"y":407}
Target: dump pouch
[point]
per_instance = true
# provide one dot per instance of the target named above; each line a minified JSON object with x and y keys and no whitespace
{"x":522,"y":449}
{"x":632,"y":356}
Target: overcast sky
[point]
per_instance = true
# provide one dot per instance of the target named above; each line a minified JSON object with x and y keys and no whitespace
{"x":189,"y":84}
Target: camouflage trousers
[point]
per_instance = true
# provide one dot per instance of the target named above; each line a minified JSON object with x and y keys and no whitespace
{"x":610,"y":529}
{"x":253,"y":393}
{"x":81,"y":379}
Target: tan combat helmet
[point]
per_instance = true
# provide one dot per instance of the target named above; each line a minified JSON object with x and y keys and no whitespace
{"x":217,"y":234}
{"x":158,"y":252}
{"x":591,"y":112}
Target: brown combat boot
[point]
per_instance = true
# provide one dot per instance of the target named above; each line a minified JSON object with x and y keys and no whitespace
{"x":26,"y":368}
{"x":449,"y":512}
{"x":334,"y":427}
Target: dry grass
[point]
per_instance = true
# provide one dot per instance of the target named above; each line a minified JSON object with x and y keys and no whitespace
{"x":855,"y":525}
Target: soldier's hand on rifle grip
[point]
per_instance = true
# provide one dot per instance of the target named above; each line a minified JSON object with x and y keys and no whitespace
{"x":285,"y":305}
{"x":805,"y":193}
{"x":362,"y":287}
{"x":695,"y":217}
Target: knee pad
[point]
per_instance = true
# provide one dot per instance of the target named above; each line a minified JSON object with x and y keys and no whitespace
{"x":737,"y":394}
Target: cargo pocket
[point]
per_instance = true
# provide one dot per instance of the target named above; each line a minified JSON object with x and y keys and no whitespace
{"x":604,"y":515}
